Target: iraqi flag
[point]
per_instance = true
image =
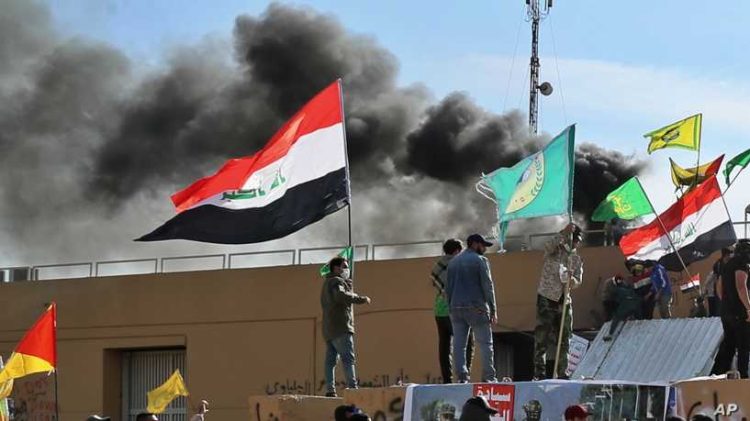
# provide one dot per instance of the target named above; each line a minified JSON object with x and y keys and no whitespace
{"x":297,"y":179}
{"x":698,"y":224}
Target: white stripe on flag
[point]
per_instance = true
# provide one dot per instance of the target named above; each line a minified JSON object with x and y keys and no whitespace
{"x":699,"y":223}
{"x":313,"y":156}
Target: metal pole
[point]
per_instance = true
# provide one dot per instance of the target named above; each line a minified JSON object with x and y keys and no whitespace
{"x":57,"y":400}
{"x":346,"y":155}
{"x":564,"y":309}
{"x":661,"y":224}
{"x":534,"y":66}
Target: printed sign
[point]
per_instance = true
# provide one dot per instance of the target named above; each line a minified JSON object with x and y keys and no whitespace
{"x":539,"y":401}
{"x":576,"y":351}
{"x":500,"y":397}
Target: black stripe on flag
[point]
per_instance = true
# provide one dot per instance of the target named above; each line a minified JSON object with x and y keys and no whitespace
{"x":300,"y":206}
{"x":705,"y":244}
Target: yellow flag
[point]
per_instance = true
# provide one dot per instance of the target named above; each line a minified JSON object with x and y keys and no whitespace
{"x":684,"y":134}
{"x":695,"y":175}
{"x":5,"y":389}
{"x":159,"y":398}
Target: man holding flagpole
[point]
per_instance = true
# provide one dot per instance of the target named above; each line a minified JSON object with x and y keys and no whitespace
{"x":554,"y":319}
{"x":337,"y":298}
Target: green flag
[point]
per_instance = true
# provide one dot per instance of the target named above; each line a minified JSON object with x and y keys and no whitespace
{"x":740,"y":160}
{"x":347,"y":253}
{"x":539,"y":185}
{"x":626,"y":202}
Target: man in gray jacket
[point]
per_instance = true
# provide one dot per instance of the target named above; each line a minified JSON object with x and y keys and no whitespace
{"x":471,"y":297}
{"x":337,"y":298}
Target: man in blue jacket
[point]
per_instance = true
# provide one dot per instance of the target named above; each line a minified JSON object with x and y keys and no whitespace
{"x":661,"y":288}
{"x":471,"y":297}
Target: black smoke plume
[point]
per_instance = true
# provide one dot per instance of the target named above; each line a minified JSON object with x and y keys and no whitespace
{"x":91,"y":149}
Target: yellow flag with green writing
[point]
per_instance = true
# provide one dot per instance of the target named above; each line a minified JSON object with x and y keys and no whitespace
{"x":160,"y":398}
{"x":685,"y":134}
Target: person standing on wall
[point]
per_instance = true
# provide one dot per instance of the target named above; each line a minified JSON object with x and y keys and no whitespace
{"x":735,"y":312}
{"x":471,"y":298}
{"x":439,"y":277}
{"x":661,"y":288}
{"x":561,"y":263}
{"x":710,"y":289}
{"x":337,"y":298}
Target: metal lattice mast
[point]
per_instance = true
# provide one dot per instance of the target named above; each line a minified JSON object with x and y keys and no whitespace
{"x":535,"y":12}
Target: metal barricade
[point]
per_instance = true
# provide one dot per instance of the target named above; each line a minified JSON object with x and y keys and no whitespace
{"x":130,"y":263}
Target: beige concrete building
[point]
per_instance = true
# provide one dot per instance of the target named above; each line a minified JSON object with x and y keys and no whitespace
{"x":242,"y":332}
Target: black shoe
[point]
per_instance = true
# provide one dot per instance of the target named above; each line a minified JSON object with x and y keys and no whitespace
{"x":331,"y":395}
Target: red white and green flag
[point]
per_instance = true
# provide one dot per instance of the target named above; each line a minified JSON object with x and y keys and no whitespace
{"x":698,"y":224}
{"x":297,"y":179}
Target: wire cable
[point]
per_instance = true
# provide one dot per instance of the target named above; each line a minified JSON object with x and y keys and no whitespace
{"x":512,"y":64}
{"x":557,"y":68}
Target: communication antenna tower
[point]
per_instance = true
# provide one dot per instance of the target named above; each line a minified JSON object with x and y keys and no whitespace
{"x":536,"y":10}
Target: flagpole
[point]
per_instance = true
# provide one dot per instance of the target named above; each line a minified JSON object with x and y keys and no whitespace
{"x":348,"y":176}
{"x":732,"y":180}
{"x":698,"y":163}
{"x":57,"y":401}
{"x":567,"y":280}
{"x":664,"y":228}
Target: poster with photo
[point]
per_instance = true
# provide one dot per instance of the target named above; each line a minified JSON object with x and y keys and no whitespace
{"x":539,"y":401}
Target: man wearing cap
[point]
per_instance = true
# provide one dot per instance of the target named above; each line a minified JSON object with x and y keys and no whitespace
{"x":577,"y":413}
{"x":471,"y":298}
{"x":561,"y":264}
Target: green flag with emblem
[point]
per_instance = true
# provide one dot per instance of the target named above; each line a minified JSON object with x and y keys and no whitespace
{"x":539,"y":185}
{"x":626,"y":202}
{"x":741,"y":160}
{"x":347,"y":253}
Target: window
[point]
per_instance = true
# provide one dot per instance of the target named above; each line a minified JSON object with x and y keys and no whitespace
{"x":143,"y":371}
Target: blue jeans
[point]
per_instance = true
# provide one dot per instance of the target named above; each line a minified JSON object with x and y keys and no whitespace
{"x":478,"y":321}
{"x":340,"y":346}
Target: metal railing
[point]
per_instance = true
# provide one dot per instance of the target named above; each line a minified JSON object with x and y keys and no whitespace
{"x":36,"y":269}
{"x":287,"y":257}
{"x":130,"y":262}
{"x":232,"y":257}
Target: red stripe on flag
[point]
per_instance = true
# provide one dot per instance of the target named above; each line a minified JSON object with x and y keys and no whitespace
{"x":324,"y":110}
{"x":689,"y":204}
{"x":713,"y":169}
{"x":41,"y":340}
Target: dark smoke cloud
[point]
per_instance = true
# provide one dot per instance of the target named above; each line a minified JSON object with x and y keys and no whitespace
{"x":459,"y":140}
{"x":91,"y":151}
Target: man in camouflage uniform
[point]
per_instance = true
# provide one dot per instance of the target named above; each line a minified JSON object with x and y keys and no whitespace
{"x":561,"y":261}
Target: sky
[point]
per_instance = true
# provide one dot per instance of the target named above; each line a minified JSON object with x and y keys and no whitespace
{"x":619,"y":69}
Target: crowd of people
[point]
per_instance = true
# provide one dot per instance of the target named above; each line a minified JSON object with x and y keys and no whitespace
{"x":465,"y":310}
{"x":465,"y":306}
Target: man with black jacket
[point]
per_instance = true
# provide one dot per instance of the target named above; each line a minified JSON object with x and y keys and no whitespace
{"x":735,"y":312}
{"x":337,"y":298}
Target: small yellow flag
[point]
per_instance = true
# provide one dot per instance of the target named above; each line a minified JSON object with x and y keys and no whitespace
{"x":159,"y":398}
{"x":685,"y":134}
{"x":693,"y":176}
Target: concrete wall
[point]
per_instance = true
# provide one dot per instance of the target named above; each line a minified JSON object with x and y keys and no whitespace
{"x":257,"y":331}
